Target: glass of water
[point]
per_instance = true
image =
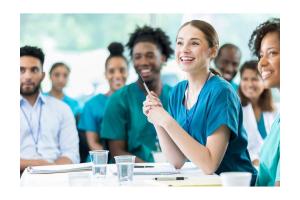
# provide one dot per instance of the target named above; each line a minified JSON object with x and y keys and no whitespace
{"x":125,"y":165}
{"x":99,"y":162}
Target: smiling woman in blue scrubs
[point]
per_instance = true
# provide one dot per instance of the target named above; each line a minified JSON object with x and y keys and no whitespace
{"x":116,"y":73}
{"x":205,"y":122}
{"x":265,"y":44}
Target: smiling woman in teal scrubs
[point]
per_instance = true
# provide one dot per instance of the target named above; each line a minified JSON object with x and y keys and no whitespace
{"x":265,"y":44}
{"x":205,"y":121}
{"x":116,"y":72}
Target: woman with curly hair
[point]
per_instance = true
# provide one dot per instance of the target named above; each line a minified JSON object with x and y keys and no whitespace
{"x":265,"y":44}
{"x":124,"y":125}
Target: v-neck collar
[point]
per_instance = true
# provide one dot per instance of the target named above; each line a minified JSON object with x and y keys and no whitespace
{"x":198,"y":98}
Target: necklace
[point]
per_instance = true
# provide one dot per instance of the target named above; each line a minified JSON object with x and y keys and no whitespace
{"x":36,"y":140}
{"x":189,"y":118}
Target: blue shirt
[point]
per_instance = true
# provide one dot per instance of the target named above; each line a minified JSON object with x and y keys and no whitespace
{"x":261,"y":127}
{"x":269,"y":165}
{"x":217,"y":105}
{"x":92,"y":114}
{"x":47,"y":130}
{"x":234,"y":85}
{"x":72,"y":103}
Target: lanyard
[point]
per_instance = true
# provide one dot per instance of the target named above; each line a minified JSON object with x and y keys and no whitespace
{"x":36,"y":140}
{"x":188,"y":119}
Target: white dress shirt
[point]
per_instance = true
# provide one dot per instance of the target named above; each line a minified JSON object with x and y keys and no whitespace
{"x":47,"y":130}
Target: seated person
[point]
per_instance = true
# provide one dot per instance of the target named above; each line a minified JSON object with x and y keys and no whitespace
{"x":258,"y":108}
{"x":124,"y":124}
{"x":116,"y":73}
{"x":59,"y":75}
{"x":48,"y":133}
{"x":227,"y":62}
{"x":265,"y":45}
{"x":204,"y":122}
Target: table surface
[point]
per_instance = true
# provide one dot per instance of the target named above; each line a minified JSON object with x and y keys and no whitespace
{"x":195,"y":177}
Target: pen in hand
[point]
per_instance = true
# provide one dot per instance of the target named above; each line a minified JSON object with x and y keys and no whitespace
{"x":145,"y":86}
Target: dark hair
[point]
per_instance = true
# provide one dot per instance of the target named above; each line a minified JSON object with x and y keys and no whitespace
{"x":227,"y":45}
{"x":115,"y":49}
{"x":34,"y":52}
{"x":57,"y":64}
{"x":272,"y":25}
{"x":208,"y":30}
{"x":154,"y":35}
{"x":265,"y":101}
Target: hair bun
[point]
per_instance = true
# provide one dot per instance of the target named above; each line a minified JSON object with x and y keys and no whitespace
{"x":115,"y":49}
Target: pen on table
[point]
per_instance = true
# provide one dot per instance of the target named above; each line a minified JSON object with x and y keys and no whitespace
{"x":143,"y":166}
{"x":170,"y":178}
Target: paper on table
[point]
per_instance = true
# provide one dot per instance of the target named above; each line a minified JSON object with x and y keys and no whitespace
{"x":209,"y":180}
{"x":59,"y":168}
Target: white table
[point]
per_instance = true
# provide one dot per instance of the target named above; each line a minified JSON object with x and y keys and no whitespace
{"x":195,"y":178}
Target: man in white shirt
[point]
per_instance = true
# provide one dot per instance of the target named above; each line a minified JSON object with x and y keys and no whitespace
{"x":48,"y":132}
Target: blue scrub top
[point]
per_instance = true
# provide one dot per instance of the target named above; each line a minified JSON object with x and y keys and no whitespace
{"x":218,"y":104}
{"x":92,"y":114}
{"x":72,"y":103}
{"x":269,"y":165}
{"x":234,"y":85}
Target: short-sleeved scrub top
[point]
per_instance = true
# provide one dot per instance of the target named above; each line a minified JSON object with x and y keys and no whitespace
{"x":124,"y":120}
{"x":92,"y":116}
{"x":217,"y":105}
{"x":269,"y":166}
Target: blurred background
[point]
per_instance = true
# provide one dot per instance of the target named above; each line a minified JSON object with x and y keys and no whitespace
{"x":81,"y":40}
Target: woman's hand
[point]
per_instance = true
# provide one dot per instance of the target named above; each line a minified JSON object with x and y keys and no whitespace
{"x":153,"y":109}
{"x":150,"y":102}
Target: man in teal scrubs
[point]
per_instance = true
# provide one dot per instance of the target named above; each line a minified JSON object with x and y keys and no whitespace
{"x":227,"y":61}
{"x":124,"y":124}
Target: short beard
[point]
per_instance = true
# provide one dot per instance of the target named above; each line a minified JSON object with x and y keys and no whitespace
{"x":30,"y":93}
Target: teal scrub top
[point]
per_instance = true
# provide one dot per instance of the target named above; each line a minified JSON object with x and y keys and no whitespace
{"x":92,"y":114}
{"x":72,"y":103}
{"x":124,"y":120}
{"x":261,"y":127}
{"x":234,"y":85}
{"x":269,"y":166}
{"x":217,"y":104}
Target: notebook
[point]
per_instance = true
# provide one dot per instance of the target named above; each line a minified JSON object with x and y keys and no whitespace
{"x":59,"y":168}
